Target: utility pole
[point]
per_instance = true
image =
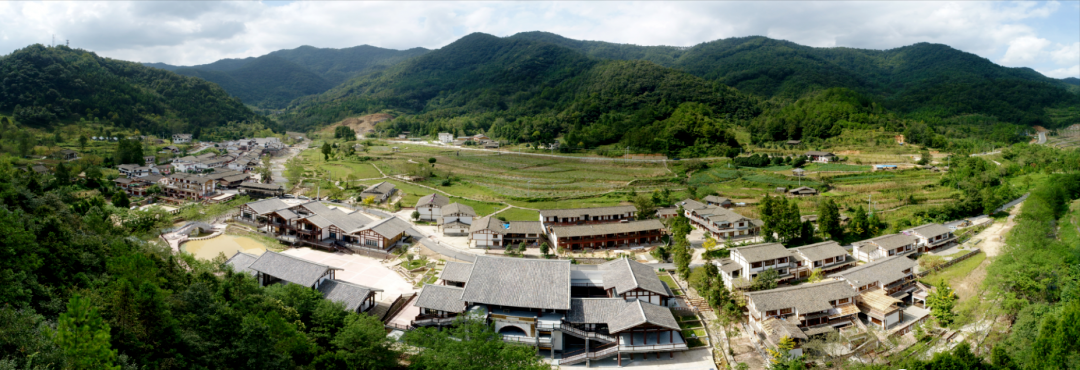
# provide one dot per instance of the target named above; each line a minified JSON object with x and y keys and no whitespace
{"x":869,"y":203}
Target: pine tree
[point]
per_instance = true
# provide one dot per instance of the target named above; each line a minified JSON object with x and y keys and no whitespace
{"x":941,"y":301}
{"x":84,"y":337}
{"x":829,"y":220}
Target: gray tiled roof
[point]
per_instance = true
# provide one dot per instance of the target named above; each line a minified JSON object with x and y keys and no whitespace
{"x":929,"y":230}
{"x":456,"y":272}
{"x":776,"y":329}
{"x":454,"y":208}
{"x":802,"y":189}
{"x":517,"y":282}
{"x":625,"y":275}
{"x":720,"y":214}
{"x":891,"y":241}
{"x":884,"y":271}
{"x":240,"y":262}
{"x":265,"y":206}
{"x":638,"y":312}
{"x":289,"y":268}
{"x":611,"y":228}
{"x":762,"y":252}
{"x":581,"y":212}
{"x":352,"y":295}
{"x":260,"y":186}
{"x":728,"y":265}
{"x":716,"y":199}
{"x":667,"y":211}
{"x":692,"y":204}
{"x":389,"y":227}
{"x":435,"y":199}
{"x":818,"y":153}
{"x":380,"y":188}
{"x":349,"y":222}
{"x":805,"y":298}
{"x":315,"y":207}
{"x":442,"y":298}
{"x":502,"y":228}
{"x":594,"y":310}
{"x":820,"y":251}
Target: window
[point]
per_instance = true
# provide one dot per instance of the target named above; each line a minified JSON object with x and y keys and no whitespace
{"x":842,"y":301}
{"x":755,"y":264}
{"x":371,"y":243}
{"x":785,"y":311}
{"x":817,"y":263}
{"x":771,"y":313}
{"x":829,"y":260}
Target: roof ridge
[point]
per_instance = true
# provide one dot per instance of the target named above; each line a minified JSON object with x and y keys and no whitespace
{"x":632,"y":274}
{"x":336,"y":281}
{"x":302,"y":260}
{"x":797,"y":287}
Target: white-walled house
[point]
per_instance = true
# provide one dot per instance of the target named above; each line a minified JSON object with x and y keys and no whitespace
{"x":430,"y":206}
{"x":456,"y":219}
{"x":446,"y":137}
{"x":745,"y":263}
{"x":885,"y":246}
{"x":881,"y":286}
{"x":931,"y":236}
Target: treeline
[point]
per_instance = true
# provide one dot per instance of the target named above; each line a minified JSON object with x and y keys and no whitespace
{"x":81,"y":288}
{"x":43,"y":86}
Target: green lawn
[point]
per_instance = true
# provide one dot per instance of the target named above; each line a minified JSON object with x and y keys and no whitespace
{"x":670,"y":282}
{"x":482,"y":208}
{"x":340,"y":170}
{"x":518,"y":214}
{"x":953,"y":274}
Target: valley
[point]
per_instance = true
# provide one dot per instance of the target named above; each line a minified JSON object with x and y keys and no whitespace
{"x":758,"y":203}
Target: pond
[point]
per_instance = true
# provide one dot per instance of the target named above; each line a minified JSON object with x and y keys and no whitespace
{"x":227,"y":244}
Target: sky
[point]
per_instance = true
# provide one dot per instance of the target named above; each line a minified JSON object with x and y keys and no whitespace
{"x":1044,"y":36}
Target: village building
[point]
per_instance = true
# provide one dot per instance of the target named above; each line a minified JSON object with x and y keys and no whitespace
{"x":931,"y":236}
{"x":607,"y":235}
{"x":456,"y":219}
{"x":446,"y":137}
{"x":170,"y":149}
{"x":490,"y":232}
{"x":430,"y":206}
{"x":134,"y":170}
{"x":826,"y":256}
{"x":883,"y":286}
{"x":745,"y":263}
{"x":820,"y":157}
{"x":278,"y":268}
{"x":585,"y":312}
{"x":667,"y":212}
{"x":718,"y":221}
{"x":149,"y":160}
{"x":885,"y":246}
{"x":381,"y":192}
{"x":714,"y":200}
{"x":318,"y":225}
{"x":260,"y":190}
{"x":801,"y":311}
{"x":802,"y":191}
{"x":68,"y":154}
{"x":181,"y":138}
{"x":582,"y":216}
{"x":39,"y":168}
{"x":184,"y":187}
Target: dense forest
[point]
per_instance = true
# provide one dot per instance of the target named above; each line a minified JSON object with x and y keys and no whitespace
{"x":43,"y":86}
{"x":921,"y":80}
{"x":273,"y":80}
{"x":81,"y":288}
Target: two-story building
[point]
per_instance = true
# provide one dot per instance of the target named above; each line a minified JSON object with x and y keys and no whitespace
{"x":885,"y":246}
{"x":607,"y":235}
{"x":583,"y":216}
{"x":882,"y":286}
{"x":490,"y":232}
{"x":802,"y":310}
{"x":181,"y":138}
{"x":718,"y":221}
{"x":456,"y":219}
{"x":430,"y":206}
{"x":931,"y":236}
{"x":820,"y":157}
{"x":315,"y":224}
{"x":446,"y":137}
{"x":715,"y":200}
{"x":745,"y":263}
{"x":826,"y":256}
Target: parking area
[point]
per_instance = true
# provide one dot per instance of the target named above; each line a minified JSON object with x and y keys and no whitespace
{"x":359,"y":270}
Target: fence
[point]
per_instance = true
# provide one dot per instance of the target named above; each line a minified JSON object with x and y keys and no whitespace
{"x":948,"y":263}
{"x":397,"y":306}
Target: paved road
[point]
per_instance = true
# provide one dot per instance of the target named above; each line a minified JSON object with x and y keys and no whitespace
{"x":447,"y":251}
{"x":1042,"y":138}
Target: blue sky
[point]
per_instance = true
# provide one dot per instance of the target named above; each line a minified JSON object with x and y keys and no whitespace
{"x":1044,"y":36}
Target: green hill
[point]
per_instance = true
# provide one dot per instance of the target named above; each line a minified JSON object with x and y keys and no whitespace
{"x":275,"y":79}
{"x":45,"y":85}
{"x":921,"y":80}
{"x":525,"y":90}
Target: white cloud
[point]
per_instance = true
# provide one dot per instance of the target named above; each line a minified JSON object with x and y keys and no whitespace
{"x":1024,"y":50}
{"x":1073,"y":71}
{"x":188,"y":33}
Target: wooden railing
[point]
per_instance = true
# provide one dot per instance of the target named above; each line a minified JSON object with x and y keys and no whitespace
{"x":398,"y":305}
{"x":568,"y":329}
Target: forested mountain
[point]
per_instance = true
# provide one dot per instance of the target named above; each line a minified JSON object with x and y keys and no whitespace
{"x":44,"y":85}
{"x":272,"y":80}
{"x":267,"y":81}
{"x":525,"y":90}
{"x":921,"y":80}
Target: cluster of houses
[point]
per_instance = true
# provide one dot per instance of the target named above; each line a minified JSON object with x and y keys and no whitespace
{"x":277,"y":268}
{"x":583,"y":312}
{"x":311,"y":222}
{"x":875,"y":292}
{"x":478,"y":139}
